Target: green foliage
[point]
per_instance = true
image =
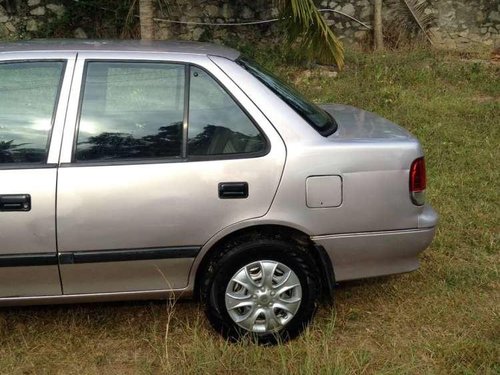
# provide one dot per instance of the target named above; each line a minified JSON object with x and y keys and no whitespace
{"x":109,"y":19}
{"x":414,"y":18}
{"x":304,"y":23}
{"x":410,"y":24}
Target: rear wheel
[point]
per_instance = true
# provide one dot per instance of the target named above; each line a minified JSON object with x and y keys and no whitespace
{"x":266,"y":289}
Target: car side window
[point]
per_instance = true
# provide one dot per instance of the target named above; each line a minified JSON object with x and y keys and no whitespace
{"x":28,"y":97}
{"x":217,"y":125}
{"x":131,"y":110}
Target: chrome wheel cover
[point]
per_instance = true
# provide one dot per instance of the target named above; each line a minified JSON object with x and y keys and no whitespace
{"x":263,"y":296}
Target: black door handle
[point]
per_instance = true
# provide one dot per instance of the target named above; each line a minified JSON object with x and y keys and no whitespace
{"x":15,"y":202}
{"x":233,"y":190}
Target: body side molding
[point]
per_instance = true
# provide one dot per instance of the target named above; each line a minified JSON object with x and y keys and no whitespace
{"x":118,"y":255}
{"x":28,"y":260}
{"x":123,"y":255}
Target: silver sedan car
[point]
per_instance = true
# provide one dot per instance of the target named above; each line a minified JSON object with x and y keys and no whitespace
{"x":134,"y":170}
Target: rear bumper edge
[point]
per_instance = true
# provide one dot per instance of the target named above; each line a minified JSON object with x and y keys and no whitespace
{"x":370,"y":254}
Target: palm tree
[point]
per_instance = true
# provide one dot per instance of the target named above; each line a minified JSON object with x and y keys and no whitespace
{"x":146,"y":16}
{"x":303,"y":23}
{"x":378,"y":36}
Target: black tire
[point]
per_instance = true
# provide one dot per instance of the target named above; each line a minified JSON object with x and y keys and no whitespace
{"x":238,"y":254}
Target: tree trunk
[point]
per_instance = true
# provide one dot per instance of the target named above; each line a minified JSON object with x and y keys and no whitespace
{"x":146,"y":15}
{"x":378,"y":36}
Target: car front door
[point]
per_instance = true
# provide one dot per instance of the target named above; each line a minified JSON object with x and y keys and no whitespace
{"x":166,"y":151}
{"x":33,"y":96}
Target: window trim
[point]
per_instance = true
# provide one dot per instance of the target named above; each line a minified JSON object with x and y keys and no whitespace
{"x":184,"y":155}
{"x":185,"y":116}
{"x":43,"y":163}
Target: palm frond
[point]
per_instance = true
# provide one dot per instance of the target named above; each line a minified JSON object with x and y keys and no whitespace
{"x":412,"y":17}
{"x":304,"y":23}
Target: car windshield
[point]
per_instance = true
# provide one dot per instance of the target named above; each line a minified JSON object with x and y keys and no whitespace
{"x":318,"y":118}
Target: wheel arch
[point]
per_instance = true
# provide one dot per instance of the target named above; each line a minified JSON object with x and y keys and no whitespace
{"x":213,"y":247}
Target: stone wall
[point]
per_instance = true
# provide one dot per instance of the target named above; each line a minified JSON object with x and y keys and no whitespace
{"x":464,"y":23}
{"x":460,"y":24}
{"x":217,"y":11}
{"x":21,"y":19}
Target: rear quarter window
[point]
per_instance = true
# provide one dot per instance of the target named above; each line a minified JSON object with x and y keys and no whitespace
{"x":217,"y":124}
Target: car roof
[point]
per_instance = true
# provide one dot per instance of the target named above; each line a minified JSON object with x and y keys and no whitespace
{"x":76,"y":45}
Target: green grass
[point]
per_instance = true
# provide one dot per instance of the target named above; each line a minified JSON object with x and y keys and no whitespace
{"x":442,"y":319}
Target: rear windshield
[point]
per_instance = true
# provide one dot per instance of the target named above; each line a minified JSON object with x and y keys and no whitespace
{"x":318,"y":118}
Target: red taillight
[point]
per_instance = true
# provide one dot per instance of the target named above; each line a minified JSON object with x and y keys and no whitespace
{"x":418,"y":181}
{"x":417,"y":176}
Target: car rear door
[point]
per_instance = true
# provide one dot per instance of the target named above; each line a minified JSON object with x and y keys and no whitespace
{"x":34,"y":89}
{"x":161,"y":152}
